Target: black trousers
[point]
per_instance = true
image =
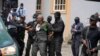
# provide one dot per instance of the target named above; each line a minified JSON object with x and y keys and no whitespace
{"x":21,"y":47}
{"x":29,"y":43}
{"x":50,"y":48}
{"x":75,"y":47}
{"x":14,"y":34}
{"x":56,"y":49}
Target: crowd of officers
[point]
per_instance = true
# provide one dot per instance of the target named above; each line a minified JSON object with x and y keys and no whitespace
{"x":87,"y":36}
{"x":42,"y":35}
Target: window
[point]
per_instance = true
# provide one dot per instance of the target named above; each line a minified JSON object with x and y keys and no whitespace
{"x":38,"y":6}
{"x":59,"y":5}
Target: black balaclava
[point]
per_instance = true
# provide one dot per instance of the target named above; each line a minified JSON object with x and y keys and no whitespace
{"x":49,"y":19}
{"x":35,"y":16}
{"x":77,"y":20}
{"x":21,"y":5}
{"x":57,"y":16}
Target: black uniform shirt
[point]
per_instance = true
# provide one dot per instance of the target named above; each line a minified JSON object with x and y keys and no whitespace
{"x":31,"y":34}
{"x":93,"y":35}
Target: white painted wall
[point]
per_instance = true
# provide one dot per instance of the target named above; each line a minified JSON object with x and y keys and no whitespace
{"x":46,"y":7}
{"x":83,"y":9}
{"x":30,"y":6}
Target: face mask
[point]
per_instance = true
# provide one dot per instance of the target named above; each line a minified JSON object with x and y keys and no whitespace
{"x":76,"y":21}
{"x":21,"y":7}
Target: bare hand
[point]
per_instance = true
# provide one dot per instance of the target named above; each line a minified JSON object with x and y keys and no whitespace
{"x":50,"y":36}
{"x":74,"y":30}
{"x":93,"y":50}
{"x":84,"y":42}
{"x":30,"y":29}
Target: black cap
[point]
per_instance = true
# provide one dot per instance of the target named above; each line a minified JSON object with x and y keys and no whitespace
{"x":93,"y":17}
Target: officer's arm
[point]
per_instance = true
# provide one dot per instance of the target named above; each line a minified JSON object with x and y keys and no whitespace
{"x":50,"y":32}
{"x":83,"y":36}
{"x":17,"y":10}
{"x":15,"y":23}
{"x":30,"y":28}
{"x":24,"y":12}
{"x":50,"y":29}
{"x":98,"y":47}
{"x":72,"y":29}
{"x":26,"y":26}
{"x":29,"y":25}
{"x":80,"y":30}
{"x":59,"y":28}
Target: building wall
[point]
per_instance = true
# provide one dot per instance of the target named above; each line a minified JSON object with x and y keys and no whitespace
{"x":45,"y":8}
{"x":83,"y":9}
{"x":30,"y":6}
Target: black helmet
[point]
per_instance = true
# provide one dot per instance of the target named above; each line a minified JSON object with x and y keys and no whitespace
{"x":49,"y":18}
{"x":77,"y":18}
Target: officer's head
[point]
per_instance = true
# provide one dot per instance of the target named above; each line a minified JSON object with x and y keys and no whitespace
{"x":77,"y":20}
{"x":57,"y":15}
{"x":49,"y":18}
{"x":35,"y":16}
{"x":21,"y":5}
{"x":97,"y":16}
{"x":93,"y":20}
{"x":40,"y":19}
{"x":22,"y":19}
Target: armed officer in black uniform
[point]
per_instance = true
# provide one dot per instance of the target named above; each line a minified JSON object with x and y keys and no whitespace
{"x":58,"y":29}
{"x":21,"y":33}
{"x":90,"y":37}
{"x":50,"y":39}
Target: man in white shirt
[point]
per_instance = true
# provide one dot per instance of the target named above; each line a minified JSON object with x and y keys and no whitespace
{"x":21,"y":10}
